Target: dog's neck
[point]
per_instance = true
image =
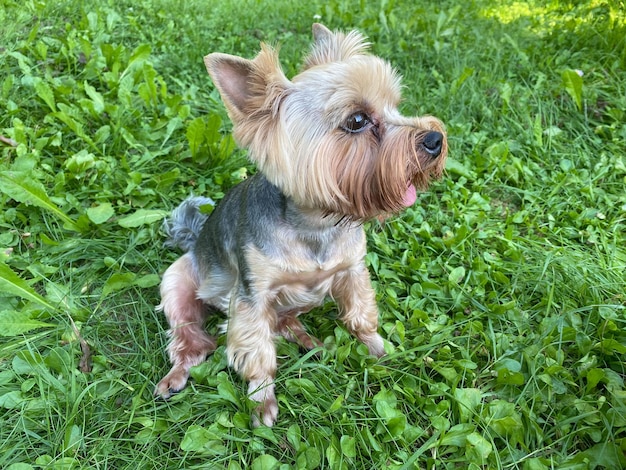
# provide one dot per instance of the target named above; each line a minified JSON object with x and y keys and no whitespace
{"x":314,"y":220}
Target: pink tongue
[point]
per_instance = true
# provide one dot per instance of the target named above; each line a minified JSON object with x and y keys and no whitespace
{"x":410,"y":196}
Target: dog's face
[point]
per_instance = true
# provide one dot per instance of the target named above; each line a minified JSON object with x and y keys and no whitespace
{"x":331,"y":138}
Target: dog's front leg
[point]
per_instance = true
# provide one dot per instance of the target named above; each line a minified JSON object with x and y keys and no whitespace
{"x":353,"y":292}
{"x":251,"y":352}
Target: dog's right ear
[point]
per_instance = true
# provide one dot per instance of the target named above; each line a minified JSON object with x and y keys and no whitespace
{"x":247,"y":86}
{"x":231,"y":76}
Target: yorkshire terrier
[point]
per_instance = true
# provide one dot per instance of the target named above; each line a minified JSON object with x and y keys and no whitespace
{"x":332,"y":151}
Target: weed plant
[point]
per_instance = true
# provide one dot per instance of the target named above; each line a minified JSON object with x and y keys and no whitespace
{"x":502,"y":292}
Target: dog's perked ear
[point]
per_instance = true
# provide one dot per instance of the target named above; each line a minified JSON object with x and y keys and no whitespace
{"x":329,"y":46}
{"x":248,"y":87}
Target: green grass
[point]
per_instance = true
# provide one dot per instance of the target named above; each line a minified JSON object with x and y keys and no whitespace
{"x":502,"y":292}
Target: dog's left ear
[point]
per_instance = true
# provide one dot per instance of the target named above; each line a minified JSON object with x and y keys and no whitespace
{"x":247,"y":86}
{"x":321,"y":33}
{"x":329,"y":46}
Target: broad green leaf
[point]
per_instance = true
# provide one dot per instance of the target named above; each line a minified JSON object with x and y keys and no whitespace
{"x":387,"y":396}
{"x":309,"y":458}
{"x":478,"y":448}
{"x":96,"y":98}
{"x":468,"y":400}
{"x":226,"y":390}
{"x":80,"y":162}
{"x":348,"y":446}
{"x":149,"y":280}
{"x":266,"y":433}
{"x":611,"y":345}
{"x":594,"y":376}
{"x":336,"y":405}
{"x":454,"y":166}
{"x":12,"y":284}
{"x":118,"y":281}
{"x":142,"y":217}
{"x":457,"y":435}
{"x":534,"y":464}
{"x":385,"y":410}
{"x":60,"y":361}
{"x":45,"y":461}
{"x":73,"y":438}
{"x":505,"y":420}
{"x":71,"y":115}
{"x":46,"y":94}
{"x":15,"y":323}
{"x":139,"y":55}
{"x":112,"y":18}
{"x":100,"y":213}
{"x":23,"y":62}
{"x":265,"y":462}
{"x":302,"y":385}
{"x":456,"y":84}
{"x":22,"y":188}
{"x":397,"y":425}
{"x":294,"y":435}
{"x":20,"y":466}
{"x":11,"y":400}
{"x":27,"y":363}
{"x":573,"y":83}
{"x":92,"y":18}
{"x":195,"y":134}
{"x":148,"y":89}
{"x":199,"y":439}
{"x":213,"y":126}
{"x":604,"y":454}
{"x":332,"y":456}
{"x":456,"y":275}
{"x":172,"y":125}
{"x":449,"y":373}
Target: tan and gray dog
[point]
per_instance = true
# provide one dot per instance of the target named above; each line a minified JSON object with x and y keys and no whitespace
{"x":332,"y":151}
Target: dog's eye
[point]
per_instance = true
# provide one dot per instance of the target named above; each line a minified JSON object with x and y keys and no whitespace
{"x":357,"y":122}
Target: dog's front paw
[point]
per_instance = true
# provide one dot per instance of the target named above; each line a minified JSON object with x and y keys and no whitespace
{"x":173,"y":382}
{"x":375,"y":344}
{"x":267,"y":411}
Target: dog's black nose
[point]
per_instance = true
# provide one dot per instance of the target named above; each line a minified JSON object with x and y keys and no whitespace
{"x":432,"y":143}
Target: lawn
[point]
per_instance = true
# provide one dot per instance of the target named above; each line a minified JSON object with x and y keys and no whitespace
{"x":502,"y":291}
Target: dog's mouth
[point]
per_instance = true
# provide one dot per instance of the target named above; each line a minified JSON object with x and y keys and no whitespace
{"x":410,"y":196}
{"x":422,"y":176}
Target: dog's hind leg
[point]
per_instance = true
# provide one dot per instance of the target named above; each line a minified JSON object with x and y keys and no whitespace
{"x":293,"y":330}
{"x":189,"y":344}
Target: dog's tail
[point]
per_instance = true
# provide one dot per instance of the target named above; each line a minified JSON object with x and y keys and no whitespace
{"x":184,"y":225}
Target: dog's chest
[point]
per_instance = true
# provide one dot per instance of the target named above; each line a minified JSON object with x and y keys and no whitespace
{"x":302,"y":273}
{"x":304,"y":289}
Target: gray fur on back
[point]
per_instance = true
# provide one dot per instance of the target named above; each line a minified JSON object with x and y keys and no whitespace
{"x":185,"y":223}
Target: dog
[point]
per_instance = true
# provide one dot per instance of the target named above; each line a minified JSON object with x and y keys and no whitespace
{"x":332,"y":151}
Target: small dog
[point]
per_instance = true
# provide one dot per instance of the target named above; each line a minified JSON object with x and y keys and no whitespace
{"x":332,"y":151}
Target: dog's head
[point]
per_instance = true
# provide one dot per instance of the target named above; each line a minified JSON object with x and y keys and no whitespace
{"x":332,"y":137}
